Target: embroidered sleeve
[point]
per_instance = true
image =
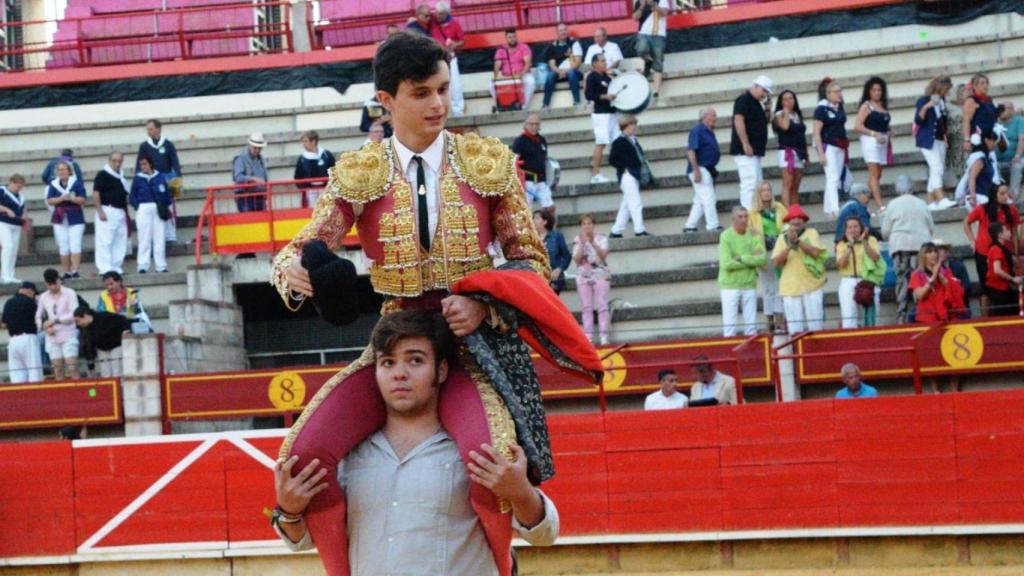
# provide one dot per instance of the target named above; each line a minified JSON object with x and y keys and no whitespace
{"x":513,"y":226}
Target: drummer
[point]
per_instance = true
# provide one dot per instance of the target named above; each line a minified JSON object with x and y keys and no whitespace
{"x":606,"y":125}
{"x":532,"y":149}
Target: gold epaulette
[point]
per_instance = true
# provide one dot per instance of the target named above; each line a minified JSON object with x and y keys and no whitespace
{"x":361,"y":176}
{"x":487,"y":164}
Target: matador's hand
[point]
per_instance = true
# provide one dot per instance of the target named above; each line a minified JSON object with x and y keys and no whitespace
{"x":463,"y":315}
{"x":298,"y":279}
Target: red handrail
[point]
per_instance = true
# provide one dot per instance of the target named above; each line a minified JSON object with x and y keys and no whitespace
{"x":914,"y":358}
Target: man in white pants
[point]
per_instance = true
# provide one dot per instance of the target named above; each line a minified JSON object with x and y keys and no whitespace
{"x":704,"y":154}
{"x":12,"y":211}
{"x":447,"y":30}
{"x":24,"y":356}
{"x":750,"y":115}
{"x":799,"y":254}
{"x":740,"y":255}
{"x":110,"y":196}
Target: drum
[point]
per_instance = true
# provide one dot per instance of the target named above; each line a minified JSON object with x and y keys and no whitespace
{"x":632,"y":92}
{"x":508,"y":92}
{"x":553,"y":173}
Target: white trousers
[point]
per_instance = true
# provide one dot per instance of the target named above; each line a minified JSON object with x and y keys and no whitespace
{"x":771,"y":301}
{"x":529,"y":85}
{"x":152,"y":241}
{"x":455,"y":89}
{"x":732,"y":301}
{"x":936,"y":159}
{"x":25,"y":359}
{"x":111,"y":240}
{"x":69,"y":238}
{"x":704,"y":202}
{"x":749,"y":170}
{"x":805,"y":312}
{"x":835,"y":161}
{"x":10,"y":240}
{"x":848,"y":308}
{"x":109,"y":362}
{"x":631,"y":207}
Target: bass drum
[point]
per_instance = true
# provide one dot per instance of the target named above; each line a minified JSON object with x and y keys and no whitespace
{"x":632,"y":92}
{"x":553,"y":173}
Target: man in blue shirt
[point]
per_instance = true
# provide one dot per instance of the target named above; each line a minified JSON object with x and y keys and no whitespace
{"x":854,"y":387}
{"x":704,"y":154}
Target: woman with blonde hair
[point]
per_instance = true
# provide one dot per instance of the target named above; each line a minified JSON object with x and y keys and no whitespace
{"x":831,"y":142}
{"x":766,"y":222}
{"x":931,"y":128}
{"x":593,"y":278}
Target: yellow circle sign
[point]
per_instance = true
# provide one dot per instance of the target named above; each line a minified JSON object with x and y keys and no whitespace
{"x":287,"y":391}
{"x":962,"y":346}
{"x":614,"y":371}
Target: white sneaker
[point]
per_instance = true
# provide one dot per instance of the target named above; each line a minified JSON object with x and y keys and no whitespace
{"x":604,"y":341}
{"x":933,"y":206}
{"x":598,"y":179}
{"x":945,"y":204}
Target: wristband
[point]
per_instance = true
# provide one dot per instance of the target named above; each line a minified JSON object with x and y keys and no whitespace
{"x":281,"y":517}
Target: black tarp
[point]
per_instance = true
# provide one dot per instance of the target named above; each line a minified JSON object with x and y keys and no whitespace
{"x":341,"y":75}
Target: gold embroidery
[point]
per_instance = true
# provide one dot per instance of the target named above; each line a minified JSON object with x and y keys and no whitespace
{"x":499,"y":420}
{"x":487,"y":164}
{"x":361,"y":176}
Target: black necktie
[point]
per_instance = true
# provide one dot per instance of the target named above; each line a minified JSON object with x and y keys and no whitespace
{"x":421,"y":203}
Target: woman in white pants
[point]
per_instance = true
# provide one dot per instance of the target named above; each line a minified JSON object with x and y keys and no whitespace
{"x":633,"y":171}
{"x":931,"y":129}
{"x":766,"y":221}
{"x":12,"y":208}
{"x":852,"y":254}
{"x":66,"y":195}
{"x":831,"y":142}
{"x":149,"y":197}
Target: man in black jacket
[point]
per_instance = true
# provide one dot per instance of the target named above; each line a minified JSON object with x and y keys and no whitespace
{"x":532,"y":149}
{"x":24,"y":354}
{"x":633,"y":173}
{"x":105,"y":331}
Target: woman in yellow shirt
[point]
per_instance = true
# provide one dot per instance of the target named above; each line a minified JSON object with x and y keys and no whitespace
{"x":766,"y":222}
{"x":854,"y":266}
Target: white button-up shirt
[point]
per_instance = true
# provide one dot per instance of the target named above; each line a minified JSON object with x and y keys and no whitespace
{"x":432,"y":159}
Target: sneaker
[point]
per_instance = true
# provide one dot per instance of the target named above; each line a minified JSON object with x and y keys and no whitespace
{"x":598,"y":179}
{"x":945,"y":204}
{"x":75,"y":274}
{"x":933,"y":206}
{"x":644,"y":233}
{"x":142,"y":271}
{"x":717,"y":229}
{"x":66,"y":276}
{"x":604,"y":341}
{"x":689,"y":230}
{"x":615,"y":235}
{"x":161,"y":271}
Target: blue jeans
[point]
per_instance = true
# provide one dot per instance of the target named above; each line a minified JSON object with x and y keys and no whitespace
{"x":574,"y":76}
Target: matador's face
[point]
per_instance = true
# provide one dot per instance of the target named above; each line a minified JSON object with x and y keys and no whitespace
{"x":420,"y":108}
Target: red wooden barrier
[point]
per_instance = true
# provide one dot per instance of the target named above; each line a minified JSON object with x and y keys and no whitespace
{"x":55,"y":404}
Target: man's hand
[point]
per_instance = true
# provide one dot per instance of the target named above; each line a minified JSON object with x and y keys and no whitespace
{"x":298,"y":279}
{"x":696,"y":175}
{"x":101,"y":214}
{"x":556,"y":273}
{"x":748,"y":150}
{"x":295,"y":492}
{"x":463,"y":315}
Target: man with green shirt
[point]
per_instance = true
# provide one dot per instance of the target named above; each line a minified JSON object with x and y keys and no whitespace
{"x":740,"y":255}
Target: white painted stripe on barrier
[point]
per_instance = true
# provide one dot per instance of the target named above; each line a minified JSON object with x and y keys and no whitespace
{"x":257,"y":454}
{"x":169,"y":438}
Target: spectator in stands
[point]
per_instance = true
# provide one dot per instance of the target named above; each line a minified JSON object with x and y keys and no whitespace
{"x":391,"y":29}
{"x":606,"y":127}
{"x":110,"y":197}
{"x":105,"y":331}
{"x":740,"y":255}
{"x":421,"y":22}
{"x":856,"y":207}
{"x":593,"y":278}
{"x":12,"y":222}
{"x":448,"y":32}
{"x":750,"y":115}
{"x":854,"y":387}
{"x":150,"y":199}
{"x":24,"y":358}
{"x":532,"y":149}
{"x":165,"y":161}
{"x":70,"y":432}
{"x":376,"y":133}
{"x":668,"y":397}
{"x":980,"y":114}
{"x":66,"y":194}
{"x":1003,"y":280}
{"x":931,"y":125}
{"x":1000,"y":211}
{"x":67,"y":156}
{"x":612,"y":52}
{"x":249,"y":167}
{"x":554,"y":242}
{"x":791,"y":130}
{"x":652,"y":37}
{"x":313,"y":162}
{"x":766,"y":221}
{"x":55,"y":317}
{"x":703,"y":153}
{"x":712,"y":384}
{"x":872,"y":123}
{"x":982,"y":171}
{"x":1010,"y":160}
{"x":906,"y":224}
{"x":959,"y":271}
{"x":374,"y":113}
{"x":514,"y":61}
{"x":954,"y":134}
{"x":118,"y":299}
{"x":831,"y":142}
{"x":860,"y":264}
{"x":633,"y":173}
{"x":936,"y":291}
{"x":564,"y":57}
{"x":800,"y":255}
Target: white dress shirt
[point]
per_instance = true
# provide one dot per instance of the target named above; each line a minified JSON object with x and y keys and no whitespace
{"x":433,"y":156}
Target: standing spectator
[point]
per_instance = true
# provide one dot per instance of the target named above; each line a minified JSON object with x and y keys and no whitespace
{"x":938,"y":295}
{"x":448,"y":32}
{"x":532,"y":149}
{"x":800,"y":255}
{"x":766,"y":221}
{"x":66,"y":155}
{"x":931,"y":126}
{"x":376,"y":133}
{"x":906,"y":224}
{"x":1003,"y":280}
{"x":514,"y":61}
{"x":164,"y":156}
{"x":703,"y":153}
{"x":606,"y":128}
{"x":24,"y":359}
{"x":740,"y":256}
{"x":564,"y":57}
{"x":788,"y":124}
{"x":554,"y":243}
{"x":150,"y":198}
{"x":712,"y":384}
{"x":954,"y":134}
{"x":668,"y":397}
{"x":856,"y":207}
{"x":750,"y":115}
{"x":374,"y":113}
{"x":55,"y":316}
{"x":612,"y":52}
{"x":249,"y":167}
{"x":66,"y":194}
{"x":979,"y":112}
{"x":110,"y":196}
{"x":105,"y":331}
{"x":118,"y":299}
{"x":959,"y":271}
{"x":651,"y":37}
{"x":1012,"y":122}
{"x":313,"y":162}
{"x":421,"y":22}
{"x":982,"y":171}
{"x":634,"y":173}
{"x":859,"y":259}
{"x":593,"y":278}
{"x":831,"y":142}
{"x":12,"y":222}
{"x":853,"y":386}
{"x":1000,"y":211}
{"x":872,"y":123}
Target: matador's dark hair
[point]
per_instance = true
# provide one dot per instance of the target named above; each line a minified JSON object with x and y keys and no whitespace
{"x":404,"y":57}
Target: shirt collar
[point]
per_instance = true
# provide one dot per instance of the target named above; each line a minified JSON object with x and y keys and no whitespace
{"x":432,"y":155}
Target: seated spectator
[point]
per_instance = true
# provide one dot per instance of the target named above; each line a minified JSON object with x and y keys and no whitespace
{"x":766,"y":222}
{"x":859,"y":259}
{"x":1003,"y":279}
{"x":856,"y":207}
{"x":376,"y":133}
{"x":66,"y":155}
{"x":668,"y":398}
{"x":854,"y":387}
{"x":633,"y":172}
{"x":374,"y":113}
{"x":740,"y":256}
{"x":313,"y":162}
{"x":105,"y":331}
{"x":1001,"y":211}
{"x":12,"y":222}
{"x":611,"y":51}
{"x":150,"y":198}
{"x":55,"y":315}
{"x":906,"y":225}
{"x":421,"y":22}
{"x":554,"y":243}
{"x":514,"y":61}
{"x":712,"y":384}
{"x":66,"y":194}
{"x":110,"y":197}
{"x":800,"y":255}
{"x":935,"y":289}
{"x":593,"y":278}
{"x":24,"y":358}
{"x":70,"y":432}
{"x":651,"y":37}
{"x":563,"y":57}
{"x":532,"y":149}
{"x":249,"y":167}
{"x":703,"y":153}
{"x":959,"y":270}
{"x":118,"y":299}
{"x":602,"y":117}
{"x":1010,"y":159}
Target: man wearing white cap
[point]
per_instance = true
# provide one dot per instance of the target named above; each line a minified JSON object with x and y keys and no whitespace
{"x":750,"y":116}
{"x":249,"y":167}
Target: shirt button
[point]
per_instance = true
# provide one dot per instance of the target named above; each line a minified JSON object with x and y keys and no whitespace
{"x":391,"y":539}
{"x":395,"y":503}
{"x":447,"y":466}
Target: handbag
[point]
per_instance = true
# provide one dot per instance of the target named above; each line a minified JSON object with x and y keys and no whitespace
{"x":163,"y":211}
{"x":864,"y":291}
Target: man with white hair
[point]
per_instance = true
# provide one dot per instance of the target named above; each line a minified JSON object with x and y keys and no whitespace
{"x":612,"y":52}
{"x":854,"y":387}
{"x":906,"y":225}
{"x":447,"y":30}
{"x":750,"y":115}
{"x":532,"y":149}
{"x":740,"y":255}
{"x":704,"y":154}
